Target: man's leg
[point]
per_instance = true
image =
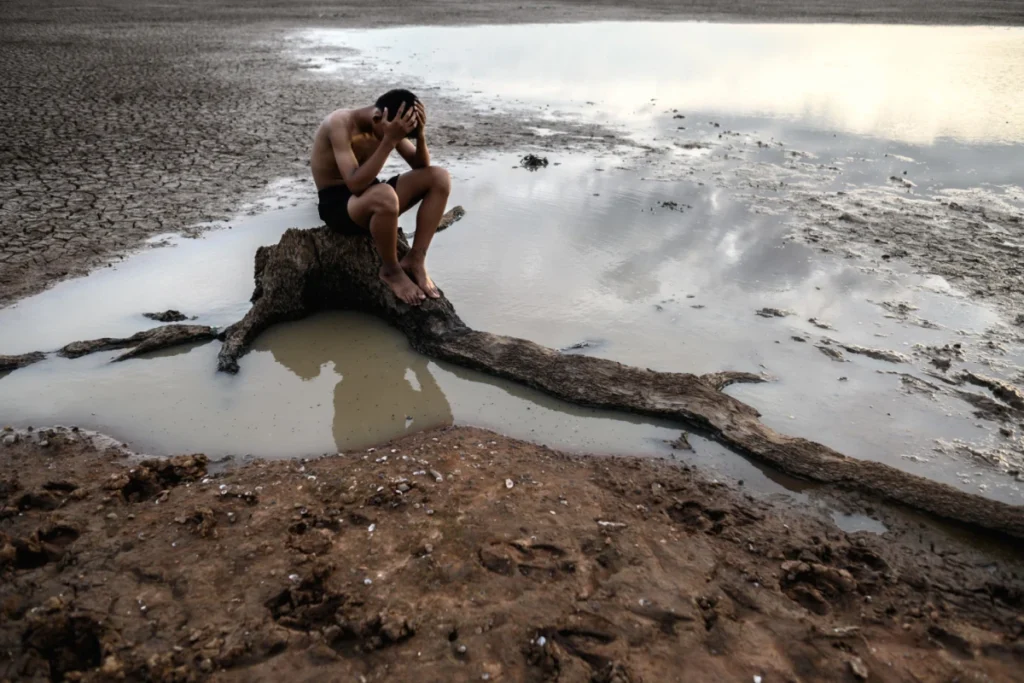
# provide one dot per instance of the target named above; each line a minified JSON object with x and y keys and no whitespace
{"x":430,"y":186}
{"x":377,"y":209}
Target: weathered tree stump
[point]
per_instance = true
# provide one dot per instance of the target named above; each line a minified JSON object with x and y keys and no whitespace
{"x":315,"y":270}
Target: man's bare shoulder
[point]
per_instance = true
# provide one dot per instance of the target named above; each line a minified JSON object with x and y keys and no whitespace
{"x":338,"y":121}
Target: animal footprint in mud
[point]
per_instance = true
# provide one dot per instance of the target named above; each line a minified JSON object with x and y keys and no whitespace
{"x":538,"y":560}
{"x":816,"y":586}
{"x":696,"y":517}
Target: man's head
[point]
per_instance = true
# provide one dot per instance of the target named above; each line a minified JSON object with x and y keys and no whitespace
{"x":392,"y":101}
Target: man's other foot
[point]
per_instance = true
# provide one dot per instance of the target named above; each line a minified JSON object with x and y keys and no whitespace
{"x":404,"y":288}
{"x":418,"y":272}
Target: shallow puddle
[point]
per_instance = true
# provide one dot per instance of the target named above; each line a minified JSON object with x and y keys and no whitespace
{"x":910,"y":84}
{"x":618,"y":252}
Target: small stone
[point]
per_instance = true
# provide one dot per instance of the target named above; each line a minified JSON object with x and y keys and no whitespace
{"x":206,"y":666}
{"x":461,"y":649}
{"x":112,"y":515}
{"x":403,"y":487}
{"x":44,"y":444}
{"x":10,"y":439}
{"x":858,"y":668}
{"x":509,"y":483}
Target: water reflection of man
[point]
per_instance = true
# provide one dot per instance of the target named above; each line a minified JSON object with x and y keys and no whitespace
{"x":350,"y":148}
{"x":376,"y":393}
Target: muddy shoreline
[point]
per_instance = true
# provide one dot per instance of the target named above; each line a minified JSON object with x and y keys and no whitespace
{"x":459,"y":554}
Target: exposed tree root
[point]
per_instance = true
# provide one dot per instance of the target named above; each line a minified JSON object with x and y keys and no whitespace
{"x":314,"y":270}
{"x":146,"y":341}
{"x":8,"y":363}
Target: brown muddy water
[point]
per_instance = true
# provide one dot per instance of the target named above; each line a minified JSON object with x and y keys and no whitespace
{"x":655,"y":256}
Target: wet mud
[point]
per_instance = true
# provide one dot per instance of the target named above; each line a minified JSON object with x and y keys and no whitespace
{"x":462,"y":555}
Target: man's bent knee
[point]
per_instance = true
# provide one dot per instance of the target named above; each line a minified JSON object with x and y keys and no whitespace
{"x":440,"y":179}
{"x":384,"y":200}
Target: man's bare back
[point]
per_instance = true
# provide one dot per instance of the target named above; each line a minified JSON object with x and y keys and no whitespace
{"x":350,"y":148}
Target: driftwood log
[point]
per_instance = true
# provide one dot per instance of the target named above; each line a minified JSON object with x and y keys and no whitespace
{"x":315,"y":270}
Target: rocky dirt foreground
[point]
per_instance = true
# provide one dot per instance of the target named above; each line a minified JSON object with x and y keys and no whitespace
{"x":461,"y":555}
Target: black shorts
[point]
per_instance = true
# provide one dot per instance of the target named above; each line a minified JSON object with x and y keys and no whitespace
{"x":333,"y":207}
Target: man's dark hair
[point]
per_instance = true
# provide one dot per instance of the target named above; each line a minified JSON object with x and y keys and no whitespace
{"x":393,"y":100}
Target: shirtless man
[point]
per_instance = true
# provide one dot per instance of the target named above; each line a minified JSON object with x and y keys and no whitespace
{"x":349,"y":150}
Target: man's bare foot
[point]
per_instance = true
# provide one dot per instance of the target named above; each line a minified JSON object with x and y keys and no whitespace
{"x":417,"y":270}
{"x":404,"y":288}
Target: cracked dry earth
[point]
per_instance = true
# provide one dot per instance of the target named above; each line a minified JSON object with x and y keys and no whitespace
{"x":460,"y":555}
{"x":135,"y":120}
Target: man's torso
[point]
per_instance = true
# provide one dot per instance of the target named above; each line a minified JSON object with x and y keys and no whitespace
{"x":322,"y":160}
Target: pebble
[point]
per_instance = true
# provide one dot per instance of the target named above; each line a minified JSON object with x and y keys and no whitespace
{"x":403,"y":488}
{"x":44,"y":444}
{"x":858,"y":668}
{"x":112,"y":515}
{"x":10,"y":439}
{"x":509,"y":483}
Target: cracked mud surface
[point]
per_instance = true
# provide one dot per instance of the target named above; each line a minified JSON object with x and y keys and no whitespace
{"x":130,"y":120}
{"x":462,"y":555}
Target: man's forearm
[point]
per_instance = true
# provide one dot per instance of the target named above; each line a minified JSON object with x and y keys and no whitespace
{"x":422,"y":151}
{"x":370,"y":169}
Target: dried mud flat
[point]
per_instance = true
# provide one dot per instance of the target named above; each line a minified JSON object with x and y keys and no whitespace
{"x":463,"y":555}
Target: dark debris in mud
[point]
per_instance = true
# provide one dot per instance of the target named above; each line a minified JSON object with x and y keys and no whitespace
{"x":532,"y":162}
{"x":168,"y":316}
{"x":769,"y":312}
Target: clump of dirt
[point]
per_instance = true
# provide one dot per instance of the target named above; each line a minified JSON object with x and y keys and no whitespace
{"x":532,"y":162}
{"x":462,"y":555}
{"x":942,"y":357}
{"x":878,"y":354}
{"x":152,"y":477}
{"x":768,"y":312}
{"x":169,"y":316}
